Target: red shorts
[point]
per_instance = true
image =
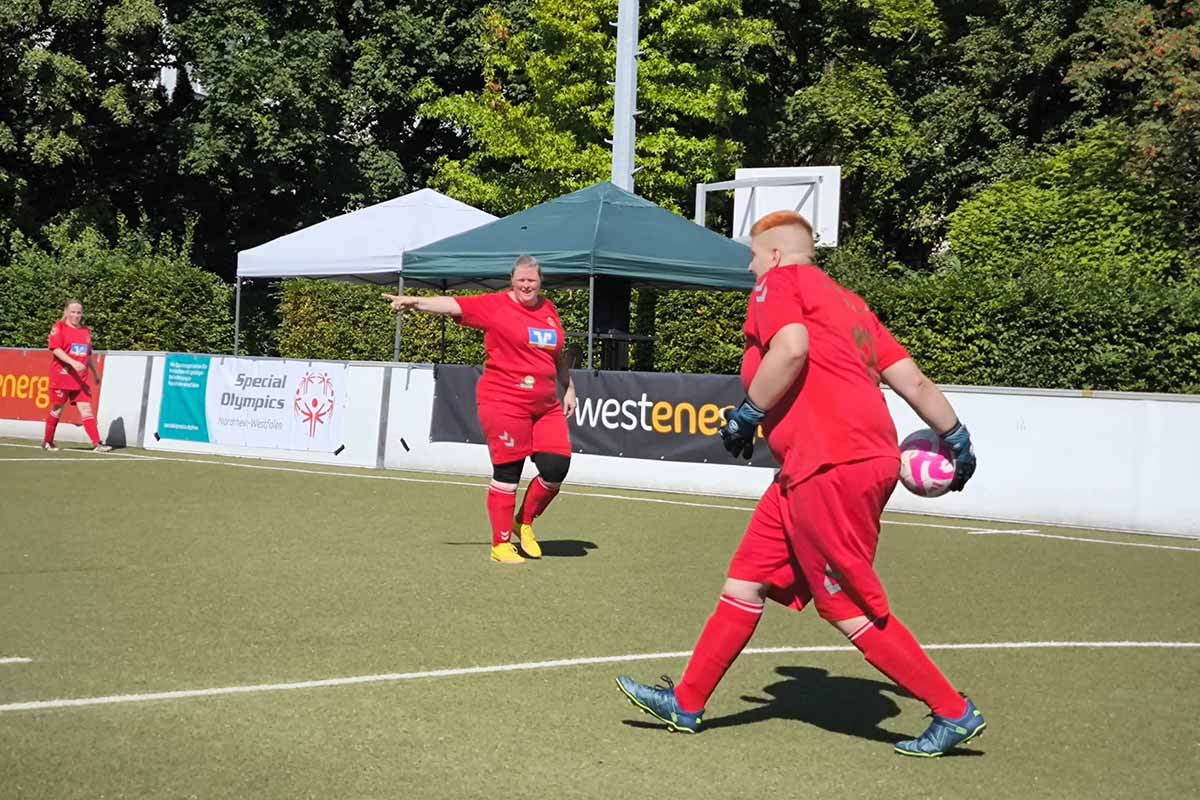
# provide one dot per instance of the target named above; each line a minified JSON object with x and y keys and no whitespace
{"x":816,"y":540}
{"x":60,"y":397}
{"x":515,"y":433}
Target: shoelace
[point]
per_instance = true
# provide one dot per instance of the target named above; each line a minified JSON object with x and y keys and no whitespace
{"x":670,"y":684}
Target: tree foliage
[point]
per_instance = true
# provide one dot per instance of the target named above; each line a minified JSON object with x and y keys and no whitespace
{"x":138,"y":292}
{"x":1021,"y":178}
{"x":538,"y":127}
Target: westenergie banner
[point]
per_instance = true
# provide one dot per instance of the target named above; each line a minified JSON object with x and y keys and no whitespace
{"x":650,"y":415}
{"x":25,"y":386}
{"x":293,"y":405}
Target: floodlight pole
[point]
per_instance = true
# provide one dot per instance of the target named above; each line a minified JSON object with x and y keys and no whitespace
{"x":624,"y":124}
{"x":625,"y":95}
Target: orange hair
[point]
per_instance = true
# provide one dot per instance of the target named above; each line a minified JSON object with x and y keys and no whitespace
{"x":777,"y":219}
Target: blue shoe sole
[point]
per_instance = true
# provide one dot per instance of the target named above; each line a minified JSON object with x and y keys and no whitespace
{"x":974,"y":734}
{"x":671,"y":726}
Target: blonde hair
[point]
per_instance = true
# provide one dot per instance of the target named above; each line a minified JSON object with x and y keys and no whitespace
{"x":71,"y":302}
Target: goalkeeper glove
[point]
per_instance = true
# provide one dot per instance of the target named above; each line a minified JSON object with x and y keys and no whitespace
{"x":959,"y":440}
{"x":740,"y":425}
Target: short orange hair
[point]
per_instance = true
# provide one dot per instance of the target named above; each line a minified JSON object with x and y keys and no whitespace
{"x":778,"y":219}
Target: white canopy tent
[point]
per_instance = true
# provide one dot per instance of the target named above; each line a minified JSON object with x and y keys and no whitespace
{"x":366,"y":245}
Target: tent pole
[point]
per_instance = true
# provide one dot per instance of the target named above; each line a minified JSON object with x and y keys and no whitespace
{"x":442,"y":357}
{"x":591,"y":314}
{"x":237,"y":313}
{"x":399,"y":321}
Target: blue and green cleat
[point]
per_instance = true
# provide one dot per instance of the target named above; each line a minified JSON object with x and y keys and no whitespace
{"x":944,"y":734}
{"x":660,"y":703}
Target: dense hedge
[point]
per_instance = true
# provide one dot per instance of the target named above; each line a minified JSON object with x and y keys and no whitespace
{"x":1044,"y":327}
{"x":137,"y":293}
{"x":1070,"y":276}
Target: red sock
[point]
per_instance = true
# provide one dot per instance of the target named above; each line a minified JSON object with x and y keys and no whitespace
{"x":537,"y":496}
{"x":500,"y":505}
{"x":93,"y":432}
{"x":890,"y":648}
{"x":51,"y":426}
{"x":724,"y":637}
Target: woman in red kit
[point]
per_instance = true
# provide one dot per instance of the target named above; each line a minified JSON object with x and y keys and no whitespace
{"x":71,"y":345}
{"x":520,"y":410}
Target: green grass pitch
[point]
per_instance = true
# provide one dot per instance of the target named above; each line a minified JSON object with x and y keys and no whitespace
{"x":130,"y":576}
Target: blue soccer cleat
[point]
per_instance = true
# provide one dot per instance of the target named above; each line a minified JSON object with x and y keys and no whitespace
{"x":944,"y":734}
{"x":660,"y":702}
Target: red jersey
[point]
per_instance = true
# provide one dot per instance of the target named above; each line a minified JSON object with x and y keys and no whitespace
{"x":522,"y":344}
{"x":76,"y":343}
{"x":834,"y":413}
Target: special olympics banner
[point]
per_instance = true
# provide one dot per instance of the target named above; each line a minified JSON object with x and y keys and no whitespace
{"x":292,"y":405}
{"x":25,"y":386}
{"x":650,"y":415}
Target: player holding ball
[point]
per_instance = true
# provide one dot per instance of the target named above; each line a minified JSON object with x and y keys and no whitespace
{"x":815,"y":354}
{"x":520,"y":410}
{"x":70,"y":344}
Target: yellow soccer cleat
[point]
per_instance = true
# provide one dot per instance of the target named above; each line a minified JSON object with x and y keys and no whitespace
{"x":529,"y":542}
{"x":506,"y":553}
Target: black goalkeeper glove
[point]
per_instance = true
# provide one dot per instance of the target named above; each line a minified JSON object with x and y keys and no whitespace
{"x":959,"y":439}
{"x":738,"y":431}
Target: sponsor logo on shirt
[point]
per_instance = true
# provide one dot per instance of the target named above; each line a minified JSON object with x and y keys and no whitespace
{"x":543,"y":338}
{"x":78,"y":349}
{"x":760,"y":292}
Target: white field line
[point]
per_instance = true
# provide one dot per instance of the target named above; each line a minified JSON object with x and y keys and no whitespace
{"x":14,"y":660}
{"x":394,"y":677}
{"x":61,"y":459}
{"x":974,"y":529}
{"x":1041,"y":535}
{"x":472,"y":484}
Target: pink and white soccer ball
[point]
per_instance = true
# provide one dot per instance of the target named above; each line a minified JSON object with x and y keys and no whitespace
{"x":926,"y":464}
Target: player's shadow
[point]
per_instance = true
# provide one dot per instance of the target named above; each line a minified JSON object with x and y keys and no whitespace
{"x":566,"y":548}
{"x":551,"y":548}
{"x":845,"y":705}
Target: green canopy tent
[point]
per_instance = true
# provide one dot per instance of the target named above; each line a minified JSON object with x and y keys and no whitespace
{"x":601,"y":231}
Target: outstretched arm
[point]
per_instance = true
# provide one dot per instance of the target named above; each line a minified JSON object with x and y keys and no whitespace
{"x":443,"y":305}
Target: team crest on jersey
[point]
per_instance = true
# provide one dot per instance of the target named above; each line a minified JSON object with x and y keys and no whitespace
{"x":543,"y":338}
{"x":78,"y":349}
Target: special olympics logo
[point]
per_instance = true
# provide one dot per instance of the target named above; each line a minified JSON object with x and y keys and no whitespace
{"x":314,"y":402}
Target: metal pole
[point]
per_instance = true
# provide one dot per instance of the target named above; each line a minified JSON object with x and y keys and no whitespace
{"x":591,"y":315}
{"x":701,"y":203}
{"x":399,"y":321}
{"x":625,"y":100}
{"x":237,"y":313}
{"x":442,"y":357}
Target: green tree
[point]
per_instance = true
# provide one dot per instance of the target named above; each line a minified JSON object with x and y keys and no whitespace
{"x":538,"y":127}
{"x":309,"y":110}
{"x":139,"y":291}
{"x":1140,"y":65}
{"x":80,"y":111}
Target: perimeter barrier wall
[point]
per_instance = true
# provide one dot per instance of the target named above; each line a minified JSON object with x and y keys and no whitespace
{"x":1103,"y":460}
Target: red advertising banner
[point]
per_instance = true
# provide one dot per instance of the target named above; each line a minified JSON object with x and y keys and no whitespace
{"x":25,"y":386}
